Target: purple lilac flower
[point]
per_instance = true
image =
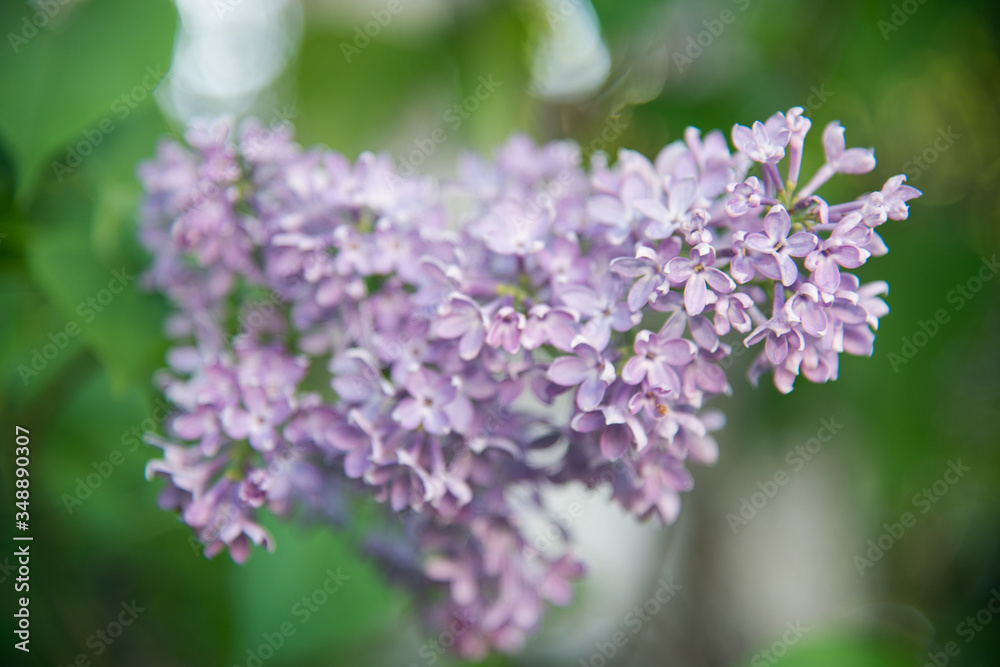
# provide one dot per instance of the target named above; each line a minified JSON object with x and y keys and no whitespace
{"x":777,"y":248}
{"x":429,"y":393}
{"x":703,"y":283}
{"x":780,"y":333}
{"x":587,"y":370}
{"x":655,"y":359}
{"x":601,"y":310}
{"x":799,"y":127}
{"x":462,"y":318}
{"x":731,"y":312}
{"x":649,"y":266}
{"x":764,"y":142}
{"x":746,"y":196}
{"x":414,"y":364}
{"x":843,"y":248}
{"x":839,"y":159}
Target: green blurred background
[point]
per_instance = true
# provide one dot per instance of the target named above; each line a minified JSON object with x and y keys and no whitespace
{"x":900,"y":77}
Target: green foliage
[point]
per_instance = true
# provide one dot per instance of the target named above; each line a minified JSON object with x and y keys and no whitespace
{"x":74,"y":73}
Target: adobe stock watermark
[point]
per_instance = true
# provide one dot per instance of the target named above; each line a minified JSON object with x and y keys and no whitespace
{"x":223,"y":7}
{"x":496,"y":416}
{"x":958,"y":297}
{"x":796,"y":458}
{"x":561,"y":12}
{"x":231,"y":511}
{"x":363,"y":35}
{"x":256,"y":143}
{"x":633,"y":622}
{"x":130,"y":440}
{"x":901,"y":13}
{"x":454,"y":117}
{"x":923,"y":501}
{"x":525,"y":220}
{"x":214,"y":186}
{"x":777,"y":650}
{"x":302,"y":610}
{"x":968,"y":630}
{"x":544,"y":538}
{"x":221,"y":520}
{"x":434,"y":649}
{"x":614,"y":127}
{"x":915,"y":167}
{"x":6,"y":569}
{"x":103,"y":638}
{"x":258,"y":312}
{"x":817,"y":98}
{"x":88,"y":310}
{"x":696,"y":45}
{"x":30,"y":25}
{"x":121,"y":108}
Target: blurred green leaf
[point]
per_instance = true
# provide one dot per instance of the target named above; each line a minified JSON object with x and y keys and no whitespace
{"x":123,"y":329}
{"x":288,"y":586}
{"x":835,"y":651}
{"x":90,"y":63}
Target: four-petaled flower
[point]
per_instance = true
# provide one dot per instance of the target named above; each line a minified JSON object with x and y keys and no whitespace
{"x":778,"y":248}
{"x":780,"y":333}
{"x":602,"y":310}
{"x":648,"y":266}
{"x":743,"y":197}
{"x":703,"y":282}
{"x":429,"y":394}
{"x":462,"y":318}
{"x":731,"y":309}
{"x":588,"y":370}
{"x":655,"y":357}
{"x":680,"y":211}
{"x":843,"y":248}
{"x":764,"y":142}
{"x":506,"y":330}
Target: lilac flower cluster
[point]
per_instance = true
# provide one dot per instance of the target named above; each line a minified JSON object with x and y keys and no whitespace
{"x":453,"y":349}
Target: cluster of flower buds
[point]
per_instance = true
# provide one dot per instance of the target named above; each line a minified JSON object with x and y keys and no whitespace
{"x":453,"y":349}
